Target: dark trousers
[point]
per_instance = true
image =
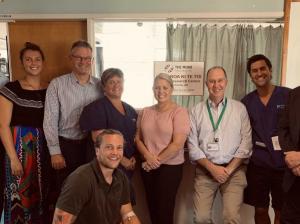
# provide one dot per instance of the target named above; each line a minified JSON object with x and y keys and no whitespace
{"x":2,"y":174}
{"x":290,"y":213}
{"x":161,"y":187}
{"x":74,"y":153}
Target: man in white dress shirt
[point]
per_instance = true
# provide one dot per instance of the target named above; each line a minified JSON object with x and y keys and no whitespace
{"x":66,"y":97}
{"x":219,"y":143}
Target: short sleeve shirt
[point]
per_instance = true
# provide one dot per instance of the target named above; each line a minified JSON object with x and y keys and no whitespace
{"x":157,"y":129}
{"x":101,"y":114}
{"x":91,"y":199}
{"x":264,"y":122}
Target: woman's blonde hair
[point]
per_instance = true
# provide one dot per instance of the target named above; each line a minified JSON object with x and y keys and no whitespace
{"x":164,"y":76}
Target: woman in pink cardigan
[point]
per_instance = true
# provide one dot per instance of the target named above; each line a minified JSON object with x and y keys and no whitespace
{"x":162,"y":130}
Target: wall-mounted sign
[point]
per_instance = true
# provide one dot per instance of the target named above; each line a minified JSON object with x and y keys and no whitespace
{"x":187,"y":76}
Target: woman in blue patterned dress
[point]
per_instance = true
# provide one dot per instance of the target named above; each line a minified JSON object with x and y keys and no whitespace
{"x":21,"y":117}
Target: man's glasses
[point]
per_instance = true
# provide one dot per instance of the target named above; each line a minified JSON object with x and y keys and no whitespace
{"x":82,"y":59}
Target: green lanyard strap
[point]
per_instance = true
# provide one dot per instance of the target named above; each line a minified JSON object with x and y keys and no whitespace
{"x":215,"y":126}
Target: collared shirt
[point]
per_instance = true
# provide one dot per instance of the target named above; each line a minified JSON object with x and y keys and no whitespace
{"x":264,"y":122}
{"x":88,"y":196}
{"x":65,"y":100}
{"x":234,"y":132}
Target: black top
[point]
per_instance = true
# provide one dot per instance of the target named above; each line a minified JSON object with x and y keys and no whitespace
{"x":88,"y":196}
{"x":28,"y":105}
{"x":289,"y":132}
{"x":101,"y":114}
{"x":289,"y":123}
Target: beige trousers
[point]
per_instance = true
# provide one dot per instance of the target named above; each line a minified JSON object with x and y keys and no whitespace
{"x":205,"y":189}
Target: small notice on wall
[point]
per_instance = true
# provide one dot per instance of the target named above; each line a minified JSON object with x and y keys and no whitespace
{"x":187,"y":76}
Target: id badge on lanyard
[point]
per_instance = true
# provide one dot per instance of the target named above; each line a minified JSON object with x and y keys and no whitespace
{"x":214,"y":145}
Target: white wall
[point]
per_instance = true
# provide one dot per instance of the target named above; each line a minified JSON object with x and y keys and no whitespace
{"x":3,"y":33}
{"x":293,"y":56}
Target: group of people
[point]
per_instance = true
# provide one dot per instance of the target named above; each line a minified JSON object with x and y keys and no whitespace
{"x":247,"y":150}
{"x":62,"y":144}
{"x":42,"y":143}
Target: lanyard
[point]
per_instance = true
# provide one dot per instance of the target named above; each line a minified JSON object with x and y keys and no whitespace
{"x":215,"y":126}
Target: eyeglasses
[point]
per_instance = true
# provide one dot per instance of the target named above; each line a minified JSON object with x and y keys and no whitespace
{"x":82,"y":59}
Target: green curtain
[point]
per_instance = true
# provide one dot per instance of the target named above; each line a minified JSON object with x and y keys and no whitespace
{"x":228,"y":46}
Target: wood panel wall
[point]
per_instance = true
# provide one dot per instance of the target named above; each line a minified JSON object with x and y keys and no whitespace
{"x":55,"y":39}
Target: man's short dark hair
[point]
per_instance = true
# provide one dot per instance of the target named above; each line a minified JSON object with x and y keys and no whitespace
{"x":104,"y":132}
{"x":81,"y":43}
{"x":255,"y":58}
{"x":216,"y":67}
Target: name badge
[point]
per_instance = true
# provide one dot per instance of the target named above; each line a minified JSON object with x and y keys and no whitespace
{"x":275,"y":142}
{"x":212,"y":147}
{"x":261,"y":144}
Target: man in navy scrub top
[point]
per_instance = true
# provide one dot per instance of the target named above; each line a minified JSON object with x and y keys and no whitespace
{"x":266,"y":167}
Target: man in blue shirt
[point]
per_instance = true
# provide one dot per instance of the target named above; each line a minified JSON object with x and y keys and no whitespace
{"x":266,"y":167}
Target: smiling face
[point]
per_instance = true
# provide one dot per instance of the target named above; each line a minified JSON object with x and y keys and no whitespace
{"x":162,"y":90}
{"x":110,"y":151}
{"x":32,"y":62}
{"x":81,"y":60}
{"x":113,"y":87}
{"x":260,"y":73}
{"x":216,"y":84}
